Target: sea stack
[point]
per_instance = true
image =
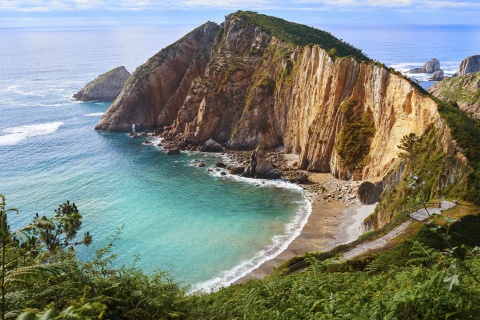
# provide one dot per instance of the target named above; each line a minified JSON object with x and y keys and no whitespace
{"x":105,"y":87}
{"x":429,"y":67}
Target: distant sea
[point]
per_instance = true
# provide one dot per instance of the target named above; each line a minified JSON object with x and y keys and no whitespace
{"x":205,"y":228}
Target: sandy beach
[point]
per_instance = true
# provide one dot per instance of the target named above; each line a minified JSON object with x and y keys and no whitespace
{"x":332,"y":222}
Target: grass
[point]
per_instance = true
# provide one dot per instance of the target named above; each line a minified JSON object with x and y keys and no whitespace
{"x":461,"y":89}
{"x":300,"y":35}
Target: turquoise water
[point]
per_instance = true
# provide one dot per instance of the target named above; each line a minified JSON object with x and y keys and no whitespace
{"x":205,"y":228}
{"x":199,"y":225}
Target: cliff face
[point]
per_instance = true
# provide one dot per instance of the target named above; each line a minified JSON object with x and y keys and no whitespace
{"x":104,"y":88}
{"x":469,"y":65}
{"x":157,"y":89}
{"x":242,"y":86}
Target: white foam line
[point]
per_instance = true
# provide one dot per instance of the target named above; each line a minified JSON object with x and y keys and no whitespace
{"x":280,"y":242}
{"x":95,"y":114}
{"x":16,"y":134}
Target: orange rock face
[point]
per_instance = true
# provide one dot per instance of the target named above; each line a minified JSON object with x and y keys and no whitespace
{"x":242,"y":87}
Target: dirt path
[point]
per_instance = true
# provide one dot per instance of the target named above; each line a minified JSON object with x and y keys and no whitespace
{"x":419,"y":215}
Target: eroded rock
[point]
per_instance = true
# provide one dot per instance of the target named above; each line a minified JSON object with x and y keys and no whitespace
{"x":104,"y":88}
{"x":260,"y":166}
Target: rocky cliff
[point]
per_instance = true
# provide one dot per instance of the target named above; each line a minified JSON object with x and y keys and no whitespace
{"x":158,"y":88}
{"x":257,"y":80}
{"x":106,"y":87}
{"x":469,"y":65}
{"x":462,"y":90}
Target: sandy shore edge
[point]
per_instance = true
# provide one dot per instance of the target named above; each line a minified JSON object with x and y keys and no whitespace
{"x":330,"y":224}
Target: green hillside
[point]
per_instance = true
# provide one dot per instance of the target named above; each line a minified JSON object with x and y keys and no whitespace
{"x":300,"y":35}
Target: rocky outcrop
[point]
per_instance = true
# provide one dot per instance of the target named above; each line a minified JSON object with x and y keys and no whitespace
{"x":469,"y":65}
{"x":369,"y":193}
{"x":211,"y":146}
{"x":260,"y":166}
{"x":158,"y":88}
{"x":437,"y":76}
{"x":429,"y":67}
{"x":464,"y":91}
{"x":104,"y":88}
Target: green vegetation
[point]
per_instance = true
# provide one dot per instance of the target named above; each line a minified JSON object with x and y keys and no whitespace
{"x":466,"y":132}
{"x":461,"y":88}
{"x":431,"y":276}
{"x":427,"y":162}
{"x":425,"y":283}
{"x":353,"y":141}
{"x":267,"y":84}
{"x":300,"y":35}
{"x":40,"y":274}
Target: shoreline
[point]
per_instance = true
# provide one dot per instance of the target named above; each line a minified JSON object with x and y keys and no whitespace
{"x":326,"y":227}
{"x":334,"y":218}
{"x":318,"y":234}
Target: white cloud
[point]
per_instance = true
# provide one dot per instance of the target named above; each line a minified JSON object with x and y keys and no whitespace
{"x":138,"y":5}
{"x":225,"y":3}
{"x":390,"y":3}
{"x":34,"y":5}
{"x":454,"y":4}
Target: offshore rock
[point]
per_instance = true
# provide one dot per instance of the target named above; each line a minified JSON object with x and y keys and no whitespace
{"x":429,"y":67}
{"x":104,"y":88}
{"x":469,"y":65}
{"x":437,"y":76}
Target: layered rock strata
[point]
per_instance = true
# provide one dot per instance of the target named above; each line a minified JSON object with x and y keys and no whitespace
{"x":159,"y":88}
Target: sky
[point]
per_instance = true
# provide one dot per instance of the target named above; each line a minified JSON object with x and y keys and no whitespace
{"x":44,"y":13}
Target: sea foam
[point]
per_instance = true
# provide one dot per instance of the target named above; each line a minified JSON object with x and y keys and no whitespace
{"x":95,"y":114}
{"x":14,"y":135}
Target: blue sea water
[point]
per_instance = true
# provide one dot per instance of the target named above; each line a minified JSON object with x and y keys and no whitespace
{"x":207,"y":229}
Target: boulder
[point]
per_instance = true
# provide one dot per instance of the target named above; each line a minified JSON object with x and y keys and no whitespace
{"x":211,"y":146}
{"x":172,"y":151}
{"x":469,"y":65}
{"x":220,"y":165}
{"x":369,"y":192}
{"x":260,"y":166}
{"x":429,"y":67}
{"x":301,"y":178}
{"x":437,"y":76}
{"x":106,"y":87}
{"x":236,"y":170}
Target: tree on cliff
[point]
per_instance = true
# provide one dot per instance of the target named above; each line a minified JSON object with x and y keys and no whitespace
{"x":409,"y":144}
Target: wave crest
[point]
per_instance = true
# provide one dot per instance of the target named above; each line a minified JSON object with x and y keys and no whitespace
{"x":14,"y":135}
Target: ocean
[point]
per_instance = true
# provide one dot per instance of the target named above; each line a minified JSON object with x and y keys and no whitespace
{"x":205,"y":228}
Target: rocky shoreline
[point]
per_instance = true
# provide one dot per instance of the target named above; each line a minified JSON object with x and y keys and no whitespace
{"x":238,"y":162}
